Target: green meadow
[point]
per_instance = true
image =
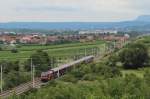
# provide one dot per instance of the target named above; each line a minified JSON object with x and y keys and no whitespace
{"x":58,"y":51}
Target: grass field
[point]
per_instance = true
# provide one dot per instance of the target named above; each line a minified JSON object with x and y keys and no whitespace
{"x":59,"y":51}
{"x":138,"y":73}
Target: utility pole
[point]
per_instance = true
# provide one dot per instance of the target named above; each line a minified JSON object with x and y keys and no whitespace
{"x":52,"y":62}
{"x":1,"y":78}
{"x":115,"y":45}
{"x":58,"y":74}
{"x":33,"y":76}
{"x":85,"y":52}
{"x":32,"y":73}
{"x":92,"y":51}
{"x":96,"y":51}
{"x":56,"y":61}
{"x":108,"y":47}
{"x":74,"y":57}
{"x":31,"y":69}
{"x":104,"y":48}
{"x":68,"y":59}
{"x":77,"y":55}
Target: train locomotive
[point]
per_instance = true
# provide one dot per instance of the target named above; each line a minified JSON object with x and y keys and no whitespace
{"x":61,"y":70}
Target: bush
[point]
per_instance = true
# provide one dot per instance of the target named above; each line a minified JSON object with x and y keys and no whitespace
{"x":14,"y":50}
{"x":14,"y":78}
{"x":9,"y":66}
{"x":69,"y":78}
{"x":134,"y":56}
{"x":109,"y":72}
{"x":1,"y":49}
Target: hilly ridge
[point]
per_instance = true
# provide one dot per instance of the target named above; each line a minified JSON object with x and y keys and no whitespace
{"x":142,"y":22}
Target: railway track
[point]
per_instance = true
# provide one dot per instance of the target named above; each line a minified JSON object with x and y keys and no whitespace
{"x":21,"y":89}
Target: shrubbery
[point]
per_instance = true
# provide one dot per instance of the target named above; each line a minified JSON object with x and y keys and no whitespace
{"x":130,"y":87}
{"x":14,"y":50}
{"x":134,"y":56}
{"x":16,"y":73}
{"x":12,"y":76}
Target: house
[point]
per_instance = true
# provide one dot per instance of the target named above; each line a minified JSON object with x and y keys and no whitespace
{"x":98,"y":32}
{"x":52,"y":39}
{"x":26,"y":39}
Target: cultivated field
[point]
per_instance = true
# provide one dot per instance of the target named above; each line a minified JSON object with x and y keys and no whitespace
{"x":62,"y":51}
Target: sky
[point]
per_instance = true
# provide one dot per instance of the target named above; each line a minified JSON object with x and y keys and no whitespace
{"x":72,"y":10}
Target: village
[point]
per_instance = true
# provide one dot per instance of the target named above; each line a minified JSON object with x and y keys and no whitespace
{"x":11,"y":38}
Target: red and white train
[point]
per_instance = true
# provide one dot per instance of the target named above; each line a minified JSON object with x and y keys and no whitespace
{"x":61,"y":70}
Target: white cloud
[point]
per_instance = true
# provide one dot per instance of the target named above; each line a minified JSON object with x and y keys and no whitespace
{"x":72,"y":10}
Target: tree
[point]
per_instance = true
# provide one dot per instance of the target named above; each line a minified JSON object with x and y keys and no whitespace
{"x":1,"y":48}
{"x":113,"y":59}
{"x":134,"y":56}
{"x":9,"y":66}
{"x":14,"y":50}
{"x":14,"y":78}
{"x":40,"y":60}
{"x":109,"y":72}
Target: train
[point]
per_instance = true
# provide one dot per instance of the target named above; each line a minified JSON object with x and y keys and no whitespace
{"x":61,"y":70}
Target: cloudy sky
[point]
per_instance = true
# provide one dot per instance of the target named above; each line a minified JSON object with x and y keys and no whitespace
{"x":72,"y":10}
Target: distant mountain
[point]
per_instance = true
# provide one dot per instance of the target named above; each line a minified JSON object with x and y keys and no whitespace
{"x":143,"y":18}
{"x":141,"y":23}
{"x":56,"y":25}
